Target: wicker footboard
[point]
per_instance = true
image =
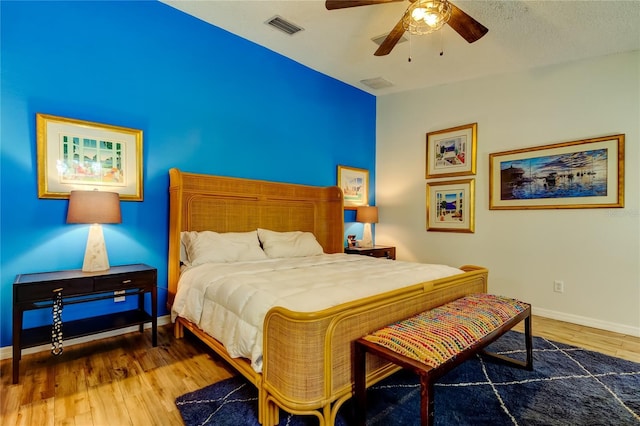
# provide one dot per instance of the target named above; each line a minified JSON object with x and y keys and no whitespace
{"x":307,"y":357}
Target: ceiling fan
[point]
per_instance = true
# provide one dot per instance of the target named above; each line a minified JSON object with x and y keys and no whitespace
{"x":421,"y":17}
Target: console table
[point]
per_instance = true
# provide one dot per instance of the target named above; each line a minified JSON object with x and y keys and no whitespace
{"x":39,"y":291}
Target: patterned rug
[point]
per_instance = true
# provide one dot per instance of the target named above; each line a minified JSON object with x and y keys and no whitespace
{"x":569,"y":386}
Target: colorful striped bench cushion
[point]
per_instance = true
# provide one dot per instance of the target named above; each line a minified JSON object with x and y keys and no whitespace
{"x":433,"y":337}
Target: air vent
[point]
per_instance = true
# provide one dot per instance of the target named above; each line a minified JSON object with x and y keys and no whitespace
{"x":283,"y":25}
{"x":378,"y":40}
{"x":377,"y":83}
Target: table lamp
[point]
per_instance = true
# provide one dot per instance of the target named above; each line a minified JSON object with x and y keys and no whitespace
{"x":367,"y":215}
{"x":94,"y":207}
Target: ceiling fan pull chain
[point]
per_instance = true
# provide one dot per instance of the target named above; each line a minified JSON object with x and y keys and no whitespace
{"x":409,"y":59}
{"x":441,"y":44}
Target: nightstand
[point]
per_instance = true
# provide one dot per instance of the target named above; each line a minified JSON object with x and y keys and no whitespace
{"x":376,"y":251}
{"x":40,"y":290}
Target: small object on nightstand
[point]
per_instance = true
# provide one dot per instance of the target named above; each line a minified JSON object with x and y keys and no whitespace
{"x":377,"y":251}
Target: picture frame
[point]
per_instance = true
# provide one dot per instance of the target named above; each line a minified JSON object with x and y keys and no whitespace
{"x":587,"y":173}
{"x":452,"y":152}
{"x":82,"y":155}
{"x":354,"y":183}
{"x":451,"y":206}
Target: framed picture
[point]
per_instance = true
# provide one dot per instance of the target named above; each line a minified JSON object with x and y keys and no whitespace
{"x":451,"y":206}
{"x":355,"y":186}
{"x":452,"y":152}
{"x":587,"y":173}
{"x":81,"y":155}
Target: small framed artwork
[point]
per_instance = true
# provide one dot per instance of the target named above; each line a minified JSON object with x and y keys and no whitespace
{"x":81,"y":155}
{"x":452,"y":152}
{"x":587,"y":173}
{"x":355,"y":186}
{"x":451,"y":206}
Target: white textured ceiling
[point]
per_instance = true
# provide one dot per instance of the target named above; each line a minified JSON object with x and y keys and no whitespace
{"x":522,"y":35}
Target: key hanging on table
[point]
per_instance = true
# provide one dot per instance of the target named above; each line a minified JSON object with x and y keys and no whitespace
{"x":56,"y":327}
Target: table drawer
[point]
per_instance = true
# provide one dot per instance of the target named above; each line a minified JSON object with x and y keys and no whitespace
{"x":388,"y":253}
{"x":144,"y":279}
{"x":45,"y":291}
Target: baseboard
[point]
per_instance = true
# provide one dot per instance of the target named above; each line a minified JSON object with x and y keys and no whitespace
{"x":588,"y":322}
{"x":7,"y":351}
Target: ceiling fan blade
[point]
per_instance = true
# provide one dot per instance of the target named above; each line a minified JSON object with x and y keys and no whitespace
{"x":470,"y":29}
{"x":392,"y":39}
{"x":342,"y":4}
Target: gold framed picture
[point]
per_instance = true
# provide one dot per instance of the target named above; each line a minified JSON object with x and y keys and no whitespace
{"x":588,"y":173}
{"x":451,"y":206}
{"x":452,"y":152}
{"x":354,"y":183}
{"x":81,"y":155}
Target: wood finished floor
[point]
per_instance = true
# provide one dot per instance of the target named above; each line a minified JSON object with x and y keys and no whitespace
{"x":123,"y":380}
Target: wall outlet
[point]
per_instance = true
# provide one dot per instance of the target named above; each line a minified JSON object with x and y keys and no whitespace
{"x":119,"y":297}
{"x":558,"y":286}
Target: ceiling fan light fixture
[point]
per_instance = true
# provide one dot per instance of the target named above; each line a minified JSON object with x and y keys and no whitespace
{"x":426,"y":16}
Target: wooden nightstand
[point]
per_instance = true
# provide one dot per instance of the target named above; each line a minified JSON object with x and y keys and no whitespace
{"x":376,"y":251}
{"x":39,"y":291}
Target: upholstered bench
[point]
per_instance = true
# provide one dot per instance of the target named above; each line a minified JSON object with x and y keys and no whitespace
{"x":433,"y":342}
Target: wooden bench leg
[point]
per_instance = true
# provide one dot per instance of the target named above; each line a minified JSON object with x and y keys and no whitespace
{"x":427,"y":401}
{"x":360,"y":379}
{"x":427,"y":411}
{"x":528,"y":341}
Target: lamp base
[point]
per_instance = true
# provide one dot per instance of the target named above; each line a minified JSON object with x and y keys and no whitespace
{"x":95,"y":255}
{"x":367,"y":239}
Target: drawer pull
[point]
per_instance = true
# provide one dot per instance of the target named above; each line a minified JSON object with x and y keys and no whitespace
{"x":126,"y":281}
{"x":57,"y":290}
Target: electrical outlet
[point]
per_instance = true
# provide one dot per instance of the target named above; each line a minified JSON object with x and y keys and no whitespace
{"x":119,"y":297}
{"x":558,"y":286}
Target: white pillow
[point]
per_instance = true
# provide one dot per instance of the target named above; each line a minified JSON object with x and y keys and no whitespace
{"x":289,"y":244}
{"x":184,"y":257}
{"x":208,"y":246}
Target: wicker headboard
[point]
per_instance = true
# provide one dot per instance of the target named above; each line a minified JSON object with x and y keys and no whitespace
{"x":199,"y":202}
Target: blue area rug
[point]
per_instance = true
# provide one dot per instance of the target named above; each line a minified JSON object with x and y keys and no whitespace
{"x":569,"y":386}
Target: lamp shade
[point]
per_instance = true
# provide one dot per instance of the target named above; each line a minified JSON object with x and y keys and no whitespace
{"x":94,"y":207}
{"x":367,"y":214}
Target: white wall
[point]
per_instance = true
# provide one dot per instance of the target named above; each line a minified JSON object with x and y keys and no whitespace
{"x":596,"y":252}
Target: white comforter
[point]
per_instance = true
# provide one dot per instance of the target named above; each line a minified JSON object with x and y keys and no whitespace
{"x":230,"y":300}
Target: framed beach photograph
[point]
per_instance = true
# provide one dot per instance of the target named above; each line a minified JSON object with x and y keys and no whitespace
{"x":451,"y":206}
{"x":82,"y":155}
{"x":587,"y":173}
{"x":355,"y":186}
{"x":452,"y":152}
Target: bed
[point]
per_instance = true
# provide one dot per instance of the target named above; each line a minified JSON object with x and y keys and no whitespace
{"x":306,"y":356}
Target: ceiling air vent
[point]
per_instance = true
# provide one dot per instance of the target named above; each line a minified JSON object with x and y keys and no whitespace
{"x":377,"y":83}
{"x":378,"y":40}
{"x":283,"y":25}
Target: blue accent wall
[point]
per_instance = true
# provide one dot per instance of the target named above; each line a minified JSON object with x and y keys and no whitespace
{"x":206,"y":100}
